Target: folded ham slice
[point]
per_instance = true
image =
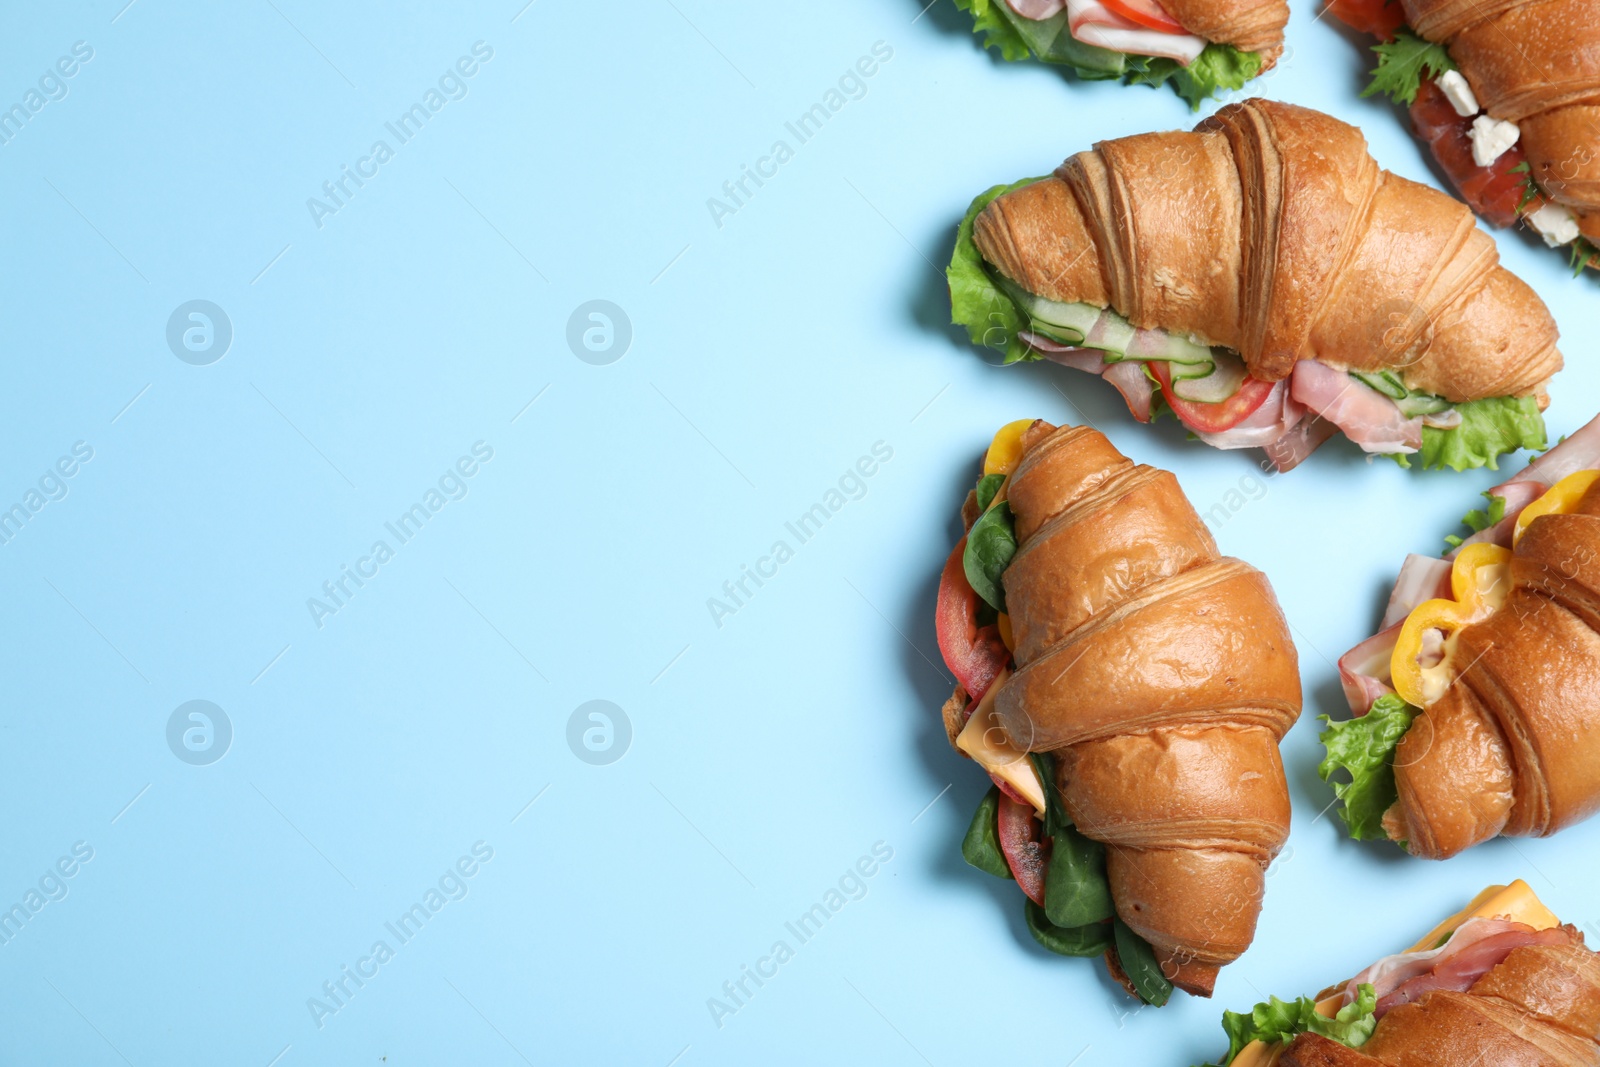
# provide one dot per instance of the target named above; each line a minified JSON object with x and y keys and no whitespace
{"x":1366,"y":416}
{"x":1472,"y":951}
{"x":1037,"y":9}
{"x":1127,"y":376}
{"x":1268,"y":424}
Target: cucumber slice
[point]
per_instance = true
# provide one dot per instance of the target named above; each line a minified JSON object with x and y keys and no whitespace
{"x":1422,"y":404}
{"x":1227,"y":375}
{"x":1067,"y":323}
{"x":1169,"y":348}
{"x":1103,"y":329}
{"x":1384,"y":382}
{"x":1057,"y":333}
{"x":1410,"y":404}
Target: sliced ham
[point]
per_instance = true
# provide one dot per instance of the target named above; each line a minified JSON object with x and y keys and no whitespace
{"x":1579,"y":452}
{"x":1392,"y":972}
{"x":1517,"y":496}
{"x":1051,"y":348}
{"x":1084,"y":359}
{"x":1093,"y":23}
{"x":1127,"y":376}
{"x":1304,"y":438}
{"x":1421,"y":578}
{"x":1276,"y":416}
{"x":1037,"y":9}
{"x":1364,"y":670}
{"x":1134,"y":385}
{"x":1458,"y":970}
{"x":1366,"y":416}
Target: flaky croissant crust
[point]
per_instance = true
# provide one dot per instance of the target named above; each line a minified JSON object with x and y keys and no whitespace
{"x":1162,"y":676}
{"x":1270,"y":230}
{"x":1540,"y":1006}
{"x":1538,"y":65}
{"x":1513,"y":746}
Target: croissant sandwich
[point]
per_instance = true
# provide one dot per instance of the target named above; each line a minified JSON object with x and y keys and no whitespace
{"x":1507,"y":95}
{"x":1126,"y":688}
{"x":1478,"y":702}
{"x":1502,"y":982}
{"x":1200,"y":46}
{"x":1263,"y":279}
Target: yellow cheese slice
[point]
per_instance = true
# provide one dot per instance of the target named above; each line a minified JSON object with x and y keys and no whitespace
{"x":985,"y":740}
{"x":1515,"y":902}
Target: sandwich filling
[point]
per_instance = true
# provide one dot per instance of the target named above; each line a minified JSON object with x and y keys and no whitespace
{"x":1412,"y":661}
{"x":1021,"y":829}
{"x":1452,"y":957}
{"x":1479,"y":151}
{"x":1210,"y":391}
{"x":1135,"y":40}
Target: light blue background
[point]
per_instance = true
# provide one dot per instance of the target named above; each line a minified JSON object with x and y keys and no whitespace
{"x":769,"y":353}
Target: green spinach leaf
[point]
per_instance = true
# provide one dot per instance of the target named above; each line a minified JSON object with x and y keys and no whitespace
{"x":1090,"y":940}
{"x":988,"y":486}
{"x":1139,"y":964}
{"x":981,"y":846}
{"x":991,"y":543}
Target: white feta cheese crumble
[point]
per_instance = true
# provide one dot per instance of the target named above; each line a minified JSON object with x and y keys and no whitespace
{"x":1555,"y":224}
{"x":1459,"y":93}
{"x":1490,"y":139}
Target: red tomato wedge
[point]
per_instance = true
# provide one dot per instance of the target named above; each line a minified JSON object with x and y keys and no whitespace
{"x":1381,"y":18}
{"x":1211,"y":418}
{"x":1146,"y":13}
{"x":1020,"y":831}
{"x":1495,"y":191}
{"x":975,"y":654}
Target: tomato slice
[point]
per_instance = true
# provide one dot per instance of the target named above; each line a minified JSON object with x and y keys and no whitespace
{"x":1146,"y":13}
{"x":1381,"y":18}
{"x":1211,"y":418}
{"x":975,"y":654}
{"x":1020,"y":833}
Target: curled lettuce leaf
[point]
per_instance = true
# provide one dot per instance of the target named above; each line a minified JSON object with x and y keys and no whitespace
{"x":1364,"y":748}
{"x":997,"y":30}
{"x":1279,"y":1020}
{"x":1219,"y":67}
{"x":976,"y":300}
{"x":1489,"y":429}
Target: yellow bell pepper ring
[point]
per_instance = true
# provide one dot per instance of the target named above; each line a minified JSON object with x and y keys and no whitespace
{"x":1479,"y":580}
{"x":1474,"y":581}
{"x":1559,"y":499}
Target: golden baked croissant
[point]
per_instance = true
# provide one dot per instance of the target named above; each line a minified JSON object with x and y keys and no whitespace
{"x":1481,"y":695}
{"x":1501,"y":983}
{"x":1157,"y":675}
{"x":1201,"y":46}
{"x":1270,"y":284}
{"x":1507,"y":97}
